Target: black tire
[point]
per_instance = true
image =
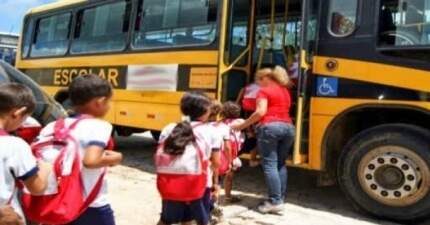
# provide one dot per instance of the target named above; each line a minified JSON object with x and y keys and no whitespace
{"x":156,"y":134}
{"x":366,"y":145}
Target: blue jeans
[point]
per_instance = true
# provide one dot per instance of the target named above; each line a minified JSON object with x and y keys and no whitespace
{"x":274,"y":143}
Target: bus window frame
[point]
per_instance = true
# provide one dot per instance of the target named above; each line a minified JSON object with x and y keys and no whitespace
{"x":248,"y":48}
{"x":128,"y":50}
{"x":381,"y":48}
{"x":27,"y":20}
{"x":357,"y":22}
{"x":36,"y":20}
{"x":94,"y":5}
{"x":214,"y":44}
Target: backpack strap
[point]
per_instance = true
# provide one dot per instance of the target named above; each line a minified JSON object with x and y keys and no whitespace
{"x":61,"y":130}
{"x":95,"y":192}
{"x":15,"y":187}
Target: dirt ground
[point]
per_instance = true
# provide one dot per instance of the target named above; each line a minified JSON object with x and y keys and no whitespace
{"x":135,"y":199}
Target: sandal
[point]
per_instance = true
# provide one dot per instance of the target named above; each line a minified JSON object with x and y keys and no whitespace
{"x":232,"y":199}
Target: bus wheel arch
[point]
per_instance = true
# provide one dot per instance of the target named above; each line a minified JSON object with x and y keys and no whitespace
{"x":365,"y":116}
{"x":385,"y":171}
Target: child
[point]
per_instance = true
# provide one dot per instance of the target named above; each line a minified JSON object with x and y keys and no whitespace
{"x":188,"y":136}
{"x":16,"y":160}
{"x":222,"y":132}
{"x":248,"y":100}
{"x":231,"y":116}
{"x":91,"y":97}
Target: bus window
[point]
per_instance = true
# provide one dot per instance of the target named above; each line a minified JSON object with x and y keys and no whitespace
{"x":237,"y":36}
{"x":51,"y":36}
{"x":404,"y":23}
{"x":175,"y":23}
{"x":102,"y":28}
{"x":342,"y":17}
{"x":26,"y":41}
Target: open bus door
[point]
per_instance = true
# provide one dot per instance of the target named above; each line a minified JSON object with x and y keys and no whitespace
{"x":275,"y":19}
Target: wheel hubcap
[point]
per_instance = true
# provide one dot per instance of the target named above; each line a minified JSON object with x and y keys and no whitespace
{"x":394,"y":175}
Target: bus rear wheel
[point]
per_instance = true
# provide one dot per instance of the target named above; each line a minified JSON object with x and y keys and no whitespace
{"x":385,"y":171}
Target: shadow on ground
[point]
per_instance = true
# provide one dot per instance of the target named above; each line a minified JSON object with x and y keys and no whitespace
{"x":302,"y":188}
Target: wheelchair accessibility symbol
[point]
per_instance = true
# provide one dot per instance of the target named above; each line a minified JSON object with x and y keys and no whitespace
{"x":327,"y":86}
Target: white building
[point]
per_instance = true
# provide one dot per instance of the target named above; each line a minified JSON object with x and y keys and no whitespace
{"x":8,"y":46}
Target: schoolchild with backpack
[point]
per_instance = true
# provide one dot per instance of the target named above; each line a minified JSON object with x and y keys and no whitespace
{"x":248,"y":100}
{"x":230,"y":115}
{"x":187,"y":152}
{"x":77,"y":191}
{"x":223,"y":135}
{"x":17,"y":164}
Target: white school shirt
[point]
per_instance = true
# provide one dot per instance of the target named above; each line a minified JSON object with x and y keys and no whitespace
{"x":16,"y":162}
{"x":239,"y":135}
{"x":88,"y":132}
{"x":222,"y":130}
{"x":208,"y":135}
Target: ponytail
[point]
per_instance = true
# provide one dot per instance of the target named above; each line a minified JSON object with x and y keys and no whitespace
{"x":181,"y":136}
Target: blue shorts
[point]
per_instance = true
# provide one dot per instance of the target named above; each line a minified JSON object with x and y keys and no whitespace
{"x":178,"y":212}
{"x":96,"y":216}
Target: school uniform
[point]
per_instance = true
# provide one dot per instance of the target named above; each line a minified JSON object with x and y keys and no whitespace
{"x":90,"y":132}
{"x":177,"y":211}
{"x":17,"y":163}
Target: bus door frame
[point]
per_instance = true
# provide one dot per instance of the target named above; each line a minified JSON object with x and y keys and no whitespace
{"x":305,"y":73}
{"x":224,"y":68}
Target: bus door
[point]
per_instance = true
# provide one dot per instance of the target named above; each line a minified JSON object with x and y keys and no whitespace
{"x":235,"y":48}
{"x":310,"y":11}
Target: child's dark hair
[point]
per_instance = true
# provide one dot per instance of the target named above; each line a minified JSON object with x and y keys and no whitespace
{"x":15,"y":96}
{"x":85,"y":88}
{"x":193,"y":105}
{"x":216,"y":109}
{"x":230,"y":110}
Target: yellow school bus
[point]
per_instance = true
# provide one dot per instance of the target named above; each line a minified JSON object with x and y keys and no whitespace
{"x":362,"y":109}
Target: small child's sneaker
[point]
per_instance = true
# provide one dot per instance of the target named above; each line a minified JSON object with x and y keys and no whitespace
{"x":232,"y":199}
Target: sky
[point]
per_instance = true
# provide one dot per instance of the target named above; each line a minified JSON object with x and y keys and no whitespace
{"x":12,"y":13}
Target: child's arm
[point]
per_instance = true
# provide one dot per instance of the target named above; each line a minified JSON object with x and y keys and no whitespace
{"x":96,"y":157}
{"x":34,"y":174}
{"x":227,"y":149}
{"x":38,"y":183}
{"x":95,"y":154}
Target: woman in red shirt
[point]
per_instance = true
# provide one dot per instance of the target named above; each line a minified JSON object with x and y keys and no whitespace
{"x":275,"y":133}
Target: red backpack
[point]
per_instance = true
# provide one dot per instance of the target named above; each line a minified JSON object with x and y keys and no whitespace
{"x":181,"y":177}
{"x":235,"y":144}
{"x":63,"y":201}
{"x":249,"y":101}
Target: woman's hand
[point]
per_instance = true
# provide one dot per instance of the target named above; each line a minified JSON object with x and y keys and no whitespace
{"x":238,"y":126}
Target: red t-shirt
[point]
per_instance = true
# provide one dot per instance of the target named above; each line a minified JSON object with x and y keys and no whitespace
{"x":278,"y":103}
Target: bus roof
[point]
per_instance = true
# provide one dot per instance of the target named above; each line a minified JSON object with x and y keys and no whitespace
{"x":55,"y":5}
